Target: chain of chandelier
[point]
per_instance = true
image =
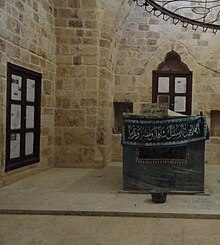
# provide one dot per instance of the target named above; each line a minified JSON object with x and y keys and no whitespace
{"x":169,"y":10}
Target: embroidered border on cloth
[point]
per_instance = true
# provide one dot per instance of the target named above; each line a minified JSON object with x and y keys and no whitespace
{"x":163,"y":132}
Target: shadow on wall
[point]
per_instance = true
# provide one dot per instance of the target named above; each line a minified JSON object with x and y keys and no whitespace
{"x":119,"y":109}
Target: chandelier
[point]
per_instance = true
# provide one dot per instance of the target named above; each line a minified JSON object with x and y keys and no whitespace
{"x":197,"y":13}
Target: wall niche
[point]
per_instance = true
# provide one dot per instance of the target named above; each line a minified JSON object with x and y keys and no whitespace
{"x":119,"y":108}
{"x":215,"y":123}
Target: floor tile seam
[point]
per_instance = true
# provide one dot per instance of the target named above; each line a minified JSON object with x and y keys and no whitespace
{"x":110,"y":214}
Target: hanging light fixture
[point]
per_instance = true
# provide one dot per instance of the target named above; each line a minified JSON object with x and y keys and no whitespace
{"x":197,"y":13}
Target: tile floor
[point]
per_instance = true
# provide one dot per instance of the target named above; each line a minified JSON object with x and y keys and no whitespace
{"x":58,"y":205}
{"x":75,"y":230}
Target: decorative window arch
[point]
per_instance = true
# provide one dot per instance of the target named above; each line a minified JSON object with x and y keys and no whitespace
{"x":172,"y":84}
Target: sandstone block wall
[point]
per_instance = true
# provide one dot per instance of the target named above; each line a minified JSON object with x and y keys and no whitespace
{"x":72,"y":43}
{"x":77,"y":84}
{"x":27,"y":39}
{"x":92,"y":53}
{"x":144,"y":42}
{"x":85,"y":48}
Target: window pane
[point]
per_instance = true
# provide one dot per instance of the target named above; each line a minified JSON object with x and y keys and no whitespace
{"x":163,"y":99}
{"x":29,"y":143}
{"x":180,"y":103}
{"x":29,"y":116}
{"x":15,"y":116}
{"x":15,"y":145}
{"x":30,"y":90}
{"x":16,"y":82}
{"x":180,"y":84}
{"x":163,"y":85}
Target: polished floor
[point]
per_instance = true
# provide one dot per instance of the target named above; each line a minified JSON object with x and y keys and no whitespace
{"x":86,"y":206}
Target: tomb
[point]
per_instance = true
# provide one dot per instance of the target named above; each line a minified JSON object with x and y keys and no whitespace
{"x":165,"y":152}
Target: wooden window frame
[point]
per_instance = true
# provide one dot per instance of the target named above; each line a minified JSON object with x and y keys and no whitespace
{"x":23,"y":160}
{"x":172,"y":75}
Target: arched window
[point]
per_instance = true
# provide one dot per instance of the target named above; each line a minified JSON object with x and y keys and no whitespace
{"x":172,"y":84}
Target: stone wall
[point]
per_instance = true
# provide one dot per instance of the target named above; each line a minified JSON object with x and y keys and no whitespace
{"x":92,"y":53}
{"x":27,"y":39}
{"x":113,"y":14}
{"x":72,"y":43}
{"x":77,"y":84}
{"x":144,"y":42}
{"x":85,"y":32}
